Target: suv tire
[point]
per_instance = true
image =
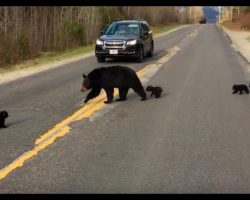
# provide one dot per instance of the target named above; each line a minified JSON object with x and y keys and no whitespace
{"x":150,"y":53}
{"x":101,"y":59}
{"x":140,"y":56}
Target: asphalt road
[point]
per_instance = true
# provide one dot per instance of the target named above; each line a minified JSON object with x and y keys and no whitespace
{"x":39,"y":101}
{"x":194,"y":139}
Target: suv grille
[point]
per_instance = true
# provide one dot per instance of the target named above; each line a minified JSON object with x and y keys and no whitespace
{"x":114,"y":44}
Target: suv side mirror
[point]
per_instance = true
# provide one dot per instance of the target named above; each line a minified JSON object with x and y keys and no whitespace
{"x":144,"y":33}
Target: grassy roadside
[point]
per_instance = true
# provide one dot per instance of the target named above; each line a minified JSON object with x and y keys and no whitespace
{"x":49,"y":58}
{"x":160,"y":29}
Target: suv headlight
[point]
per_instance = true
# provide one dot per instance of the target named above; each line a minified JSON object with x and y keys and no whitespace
{"x":99,"y":42}
{"x":131,"y":42}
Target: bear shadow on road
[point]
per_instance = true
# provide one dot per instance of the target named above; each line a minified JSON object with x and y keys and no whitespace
{"x":162,"y":96}
{"x":16,"y":122}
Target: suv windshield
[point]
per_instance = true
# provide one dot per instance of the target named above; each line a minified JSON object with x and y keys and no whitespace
{"x":123,"y":29}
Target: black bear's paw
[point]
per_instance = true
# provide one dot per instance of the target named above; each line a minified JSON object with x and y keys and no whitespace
{"x":108,"y":102}
{"x":143,"y":99}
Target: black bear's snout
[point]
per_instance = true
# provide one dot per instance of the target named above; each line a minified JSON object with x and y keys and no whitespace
{"x":4,"y":114}
{"x":83,"y":89}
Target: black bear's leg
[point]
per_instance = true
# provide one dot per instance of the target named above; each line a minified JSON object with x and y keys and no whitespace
{"x":235,"y":91}
{"x":109,"y":93}
{"x":247,"y":91}
{"x":140,"y":92}
{"x":123,"y":92}
{"x":152,"y":93}
{"x":241,"y":92}
{"x":2,"y":124}
{"x":157,"y":96}
{"x":93,"y":93}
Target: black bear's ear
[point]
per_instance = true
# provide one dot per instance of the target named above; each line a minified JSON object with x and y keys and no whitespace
{"x":84,"y":76}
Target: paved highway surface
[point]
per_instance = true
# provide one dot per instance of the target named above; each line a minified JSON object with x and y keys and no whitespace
{"x":194,"y":139}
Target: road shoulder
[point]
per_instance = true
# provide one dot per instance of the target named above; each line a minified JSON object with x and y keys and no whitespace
{"x":239,"y":41}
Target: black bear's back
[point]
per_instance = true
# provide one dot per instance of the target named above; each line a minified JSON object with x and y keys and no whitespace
{"x":118,"y":76}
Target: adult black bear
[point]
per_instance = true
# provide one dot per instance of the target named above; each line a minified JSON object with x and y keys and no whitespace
{"x":240,"y":88}
{"x":109,"y":78}
{"x":3,"y":116}
{"x":156,"y":91}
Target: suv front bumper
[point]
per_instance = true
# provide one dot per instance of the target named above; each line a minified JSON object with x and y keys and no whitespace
{"x":122,"y":52}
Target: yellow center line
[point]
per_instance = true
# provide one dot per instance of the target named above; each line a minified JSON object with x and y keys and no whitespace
{"x":69,"y":119}
{"x":62,"y":128}
{"x":194,"y":33}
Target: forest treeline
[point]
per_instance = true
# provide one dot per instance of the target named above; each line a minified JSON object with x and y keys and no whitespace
{"x":27,"y":32}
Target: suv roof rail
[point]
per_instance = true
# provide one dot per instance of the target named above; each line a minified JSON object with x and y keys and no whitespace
{"x":116,"y":20}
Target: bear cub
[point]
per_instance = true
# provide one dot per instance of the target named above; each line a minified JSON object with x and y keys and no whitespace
{"x":156,"y":91}
{"x":3,"y":116}
{"x":111,"y":77}
{"x":240,"y":88}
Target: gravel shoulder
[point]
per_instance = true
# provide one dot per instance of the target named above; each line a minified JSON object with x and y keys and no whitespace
{"x":239,"y":41}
